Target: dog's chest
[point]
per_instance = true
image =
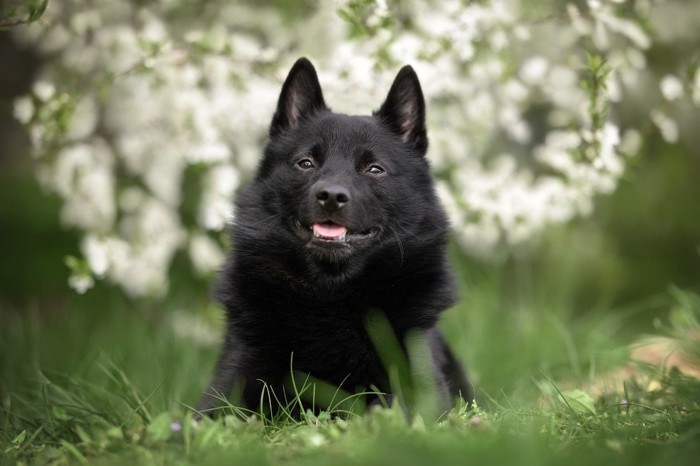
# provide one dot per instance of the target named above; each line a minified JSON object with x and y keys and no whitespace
{"x":329,"y":341}
{"x":335,"y":353}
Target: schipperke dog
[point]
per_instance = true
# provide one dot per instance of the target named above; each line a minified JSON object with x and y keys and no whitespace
{"x":340,"y":221}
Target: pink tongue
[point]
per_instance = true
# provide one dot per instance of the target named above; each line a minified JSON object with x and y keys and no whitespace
{"x":329,"y":231}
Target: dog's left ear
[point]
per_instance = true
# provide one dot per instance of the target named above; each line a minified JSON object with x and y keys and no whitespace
{"x":404,"y":110}
{"x":301,"y":96}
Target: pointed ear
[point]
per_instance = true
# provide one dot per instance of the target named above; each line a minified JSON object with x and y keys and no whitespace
{"x":301,"y":96}
{"x":404,"y":110}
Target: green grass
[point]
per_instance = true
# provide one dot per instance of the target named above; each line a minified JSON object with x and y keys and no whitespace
{"x":100,"y":380}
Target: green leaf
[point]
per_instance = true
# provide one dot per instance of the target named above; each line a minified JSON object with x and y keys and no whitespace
{"x":579,"y":401}
{"x":74,"y":451}
{"x":78,"y":266}
{"x":37,"y":9}
{"x":115,"y":433}
{"x":19,"y":439}
{"x":83,"y":435}
{"x":60,"y":413}
{"x":159,"y":429}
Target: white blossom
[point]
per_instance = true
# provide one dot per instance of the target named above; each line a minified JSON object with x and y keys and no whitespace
{"x":81,"y":283}
{"x":631,"y":142}
{"x":205,"y":253}
{"x":83,"y":176}
{"x":84,"y":119}
{"x":44,"y":90}
{"x":97,"y":254}
{"x":23,"y":109}
{"x":666,"y":124}
{"x":216,"y":205}
{"x":671,"y":87}
{"x":192,"y":326}
{"x":533,"y":70}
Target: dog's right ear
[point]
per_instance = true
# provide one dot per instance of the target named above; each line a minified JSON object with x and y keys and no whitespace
{"x":301,"y":96}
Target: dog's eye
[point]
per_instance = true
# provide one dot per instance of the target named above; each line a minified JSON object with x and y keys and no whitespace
{"x":375,"y":170}
{"x":305,"y":164}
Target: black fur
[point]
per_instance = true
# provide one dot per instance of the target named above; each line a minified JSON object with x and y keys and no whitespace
{"x":288,"y":292}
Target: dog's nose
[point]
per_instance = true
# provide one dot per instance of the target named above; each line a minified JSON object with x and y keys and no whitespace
{"x":332,"y":197}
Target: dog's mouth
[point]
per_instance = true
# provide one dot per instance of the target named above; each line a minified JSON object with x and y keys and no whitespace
{"x":330,"y":233}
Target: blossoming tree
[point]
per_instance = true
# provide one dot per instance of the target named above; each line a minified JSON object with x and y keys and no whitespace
{"x":148,"y":116}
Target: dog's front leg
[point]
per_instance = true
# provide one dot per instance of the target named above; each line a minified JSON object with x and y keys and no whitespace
{"x":226,"y":374}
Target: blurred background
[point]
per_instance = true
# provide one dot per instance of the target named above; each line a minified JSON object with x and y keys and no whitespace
{"x":560,"y":299}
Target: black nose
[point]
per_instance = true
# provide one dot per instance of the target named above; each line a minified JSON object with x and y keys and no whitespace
{"x":332,"y":197}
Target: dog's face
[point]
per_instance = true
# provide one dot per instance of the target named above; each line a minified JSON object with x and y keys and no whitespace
{"x":336,"y":186}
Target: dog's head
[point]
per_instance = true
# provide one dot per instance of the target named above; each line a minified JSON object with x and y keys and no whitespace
{"x":335,"y":186}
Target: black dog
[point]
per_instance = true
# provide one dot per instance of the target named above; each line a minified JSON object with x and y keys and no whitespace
{"x":340,"y":221}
